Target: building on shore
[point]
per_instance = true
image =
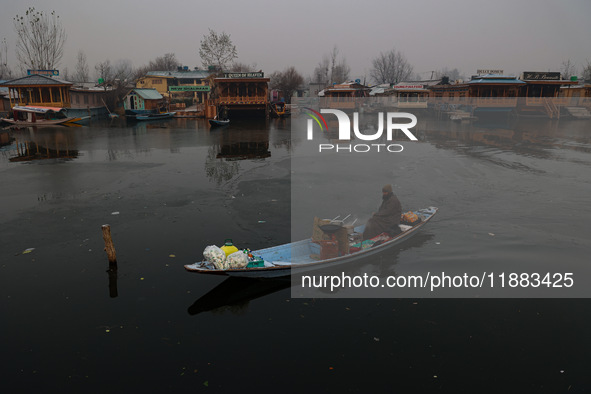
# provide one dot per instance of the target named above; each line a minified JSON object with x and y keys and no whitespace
{"x":243,"y":94}
{"x":181,"y":85}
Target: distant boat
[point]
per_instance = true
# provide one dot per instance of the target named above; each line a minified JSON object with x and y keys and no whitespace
{"x":41,"y":116}
{"x":219,"y":122}
{"x":278,"y":109}
{"x":155,"y":116}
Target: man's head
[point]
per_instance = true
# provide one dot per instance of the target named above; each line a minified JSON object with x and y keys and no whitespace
{"x":387,"y":189}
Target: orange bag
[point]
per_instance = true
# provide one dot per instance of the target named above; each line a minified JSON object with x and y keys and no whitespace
{"x":409,"y":218}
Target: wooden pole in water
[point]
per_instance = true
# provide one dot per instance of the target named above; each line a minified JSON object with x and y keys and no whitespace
{"x":109,"y":247}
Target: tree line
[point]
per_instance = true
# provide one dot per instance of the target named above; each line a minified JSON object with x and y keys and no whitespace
{"x":41,"y":39}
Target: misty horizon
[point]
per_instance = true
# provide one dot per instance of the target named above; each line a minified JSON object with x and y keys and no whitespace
{"x":511,"y":36}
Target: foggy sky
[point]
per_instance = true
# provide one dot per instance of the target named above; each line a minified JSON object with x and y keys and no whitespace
{"x":516,"y":36}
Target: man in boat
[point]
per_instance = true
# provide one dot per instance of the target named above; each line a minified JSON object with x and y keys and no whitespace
{"x":387,"y":218}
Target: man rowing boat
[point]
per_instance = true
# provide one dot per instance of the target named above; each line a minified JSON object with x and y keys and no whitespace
{"x":387,"y":218}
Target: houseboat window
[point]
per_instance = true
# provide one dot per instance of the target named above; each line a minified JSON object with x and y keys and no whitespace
{"x":85,"y":99}
{"x":157,"y":82}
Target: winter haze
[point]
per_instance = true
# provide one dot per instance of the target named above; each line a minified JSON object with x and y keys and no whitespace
{"x":518,"y":35}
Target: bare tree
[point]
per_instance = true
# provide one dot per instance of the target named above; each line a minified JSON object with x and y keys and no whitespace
{"x":65,"y":74}
{"x":4,"y":69}
{"x":390,"y":67}
{"x":568,"y":69}
{"x":40,"y":39}
{"x":104,"y":71}
{"x":168,"y":62}
{"x":321,"y":72}
{"x":241,"y":67}
{"x":81,"y":74}
{"x":587,"y":72}
{"x":217,"y":50}
{"x":341,"y":71}
{"x":453,"y":74}
{"x":122,"y":72}
{"x":287,"y":81}
{"x":331,"y":69}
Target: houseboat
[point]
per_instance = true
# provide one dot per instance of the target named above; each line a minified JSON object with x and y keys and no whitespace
{"x":577,"y":100}
{"x":344,"y":96}
{"x":540,"y":95}
{"x":38,"y":90}
{"x":141,"y":101}
{"x":243,"y":94}
{"x":494,"y":93}
{"x":409,"y":95}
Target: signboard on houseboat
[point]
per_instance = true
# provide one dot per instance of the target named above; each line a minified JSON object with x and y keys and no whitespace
{"x":190,"y":88}
{"x":489,"y":71}
{"x":48,"y":73}
{"x":408,"y":86}
{"x":245,"y":75}
{"x":541,"y":76}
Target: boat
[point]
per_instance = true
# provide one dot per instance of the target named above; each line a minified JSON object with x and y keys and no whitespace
{"x":219,"y":122}
{"x":155,"y":116}
{"x":278,"y":109}
{"x":298,"y":257}
{"x":40,"y":116}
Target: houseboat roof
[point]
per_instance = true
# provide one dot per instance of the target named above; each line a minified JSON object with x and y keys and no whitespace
{"x":346,"y":86}
{"x":36,"y":109}
{"x":493,"y":79}
{"x":197,"y":74}
{"x":147,"y":93}
{"x":35,"y":80}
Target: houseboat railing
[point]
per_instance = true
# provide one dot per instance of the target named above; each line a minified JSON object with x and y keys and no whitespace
{"x":243,"y":100}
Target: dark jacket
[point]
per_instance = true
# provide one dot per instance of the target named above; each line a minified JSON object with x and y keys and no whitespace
{"x":386,"y":219}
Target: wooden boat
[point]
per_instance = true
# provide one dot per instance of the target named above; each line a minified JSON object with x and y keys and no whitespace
{"x":40,"y":116}
{"x":219,"y":122}
{"x":278,"y":109}
{"x":155,"y":116}
{"x":297,"y":256}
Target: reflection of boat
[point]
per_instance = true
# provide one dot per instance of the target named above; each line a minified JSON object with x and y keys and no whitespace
{"x":279,"y":260}
{"x":40,"y":116}
{"x":235,"y":292}
{"x":278,"y":109}
{"x":219,"y":122}
{"x":155,"y":116}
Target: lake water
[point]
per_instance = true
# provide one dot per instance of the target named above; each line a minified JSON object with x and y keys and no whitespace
{"x":512,"y":196}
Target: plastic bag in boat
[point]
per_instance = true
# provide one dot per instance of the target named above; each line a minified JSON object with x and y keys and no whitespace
{"x":216,"y":256}
{"x":237,"y":260}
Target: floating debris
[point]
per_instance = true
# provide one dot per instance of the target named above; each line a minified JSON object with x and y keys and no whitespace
{"x":115,"y":213}
{"x":28,"y":250}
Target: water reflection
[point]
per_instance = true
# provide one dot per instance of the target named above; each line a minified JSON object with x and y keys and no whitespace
{"x":232,"y":145}
{"x":234,"y":294}
{"x":528,"y":137}
{"x":41,"y":145}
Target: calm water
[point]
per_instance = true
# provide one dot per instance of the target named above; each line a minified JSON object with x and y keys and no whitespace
{"x":168,"y":189}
